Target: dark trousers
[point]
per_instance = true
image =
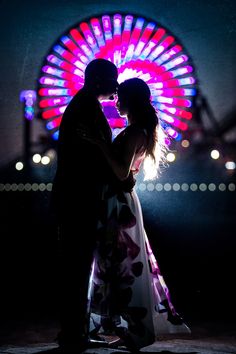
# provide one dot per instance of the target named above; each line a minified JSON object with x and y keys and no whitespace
{"x":77,"y":242}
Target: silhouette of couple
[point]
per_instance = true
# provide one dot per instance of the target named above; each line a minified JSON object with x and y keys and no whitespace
{"x":109,"y":278}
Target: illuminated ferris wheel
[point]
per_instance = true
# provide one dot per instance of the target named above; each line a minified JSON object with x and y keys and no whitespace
{"x":139,"y":48}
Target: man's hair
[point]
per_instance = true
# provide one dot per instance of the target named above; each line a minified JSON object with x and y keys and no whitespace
{"x":98,"y":69}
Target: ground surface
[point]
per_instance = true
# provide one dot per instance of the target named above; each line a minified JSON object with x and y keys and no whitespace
{"x":206,"y":338}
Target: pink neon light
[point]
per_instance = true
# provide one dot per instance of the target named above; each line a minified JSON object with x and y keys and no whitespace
{"x":134,"y":38}
{"x":82,"y":43}
{"x":153,"y":42}
{"x":168,"y":54}
{"x":117,"y":122}
{"x":176,"y":111}
{"x":126,"y":35}
{"x":53,"y":112}
{"x":173,"y":133}
{"x":181,"y":71}
{"x":54,"y":102}
{"x":161,"y":47}
{"x":44,"y":80}
{"x":175,"y":82}
{"x":117,"y":38}
{"x":173,"y":101}
{"x":181,"y":102}
{"x":174,"y":121}
{"x":108,"y":50}
{"x":74,"y":49}
{"x":136,"y":31}
{"x":89,"y":37}
{"x":57,"y":92}
{"x":166,"y":117}
{"x":106,"y":21}
{"x":98,"y":35}
{"x":184,"y":114}
{"x":175,"y":92}
{"x":144,"y":38}
{"x":62,"y":74}
{"x":69,"y":57}
{"x":64,"y":65}
{"x":54,"y":123}
{"x":175,"y":62}
{"x":181,"y":125}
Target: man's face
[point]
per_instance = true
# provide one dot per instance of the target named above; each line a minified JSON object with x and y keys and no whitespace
{"x":108,"y":87}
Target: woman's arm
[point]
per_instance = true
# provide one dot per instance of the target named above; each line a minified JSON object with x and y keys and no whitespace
{"x":121,"y":162}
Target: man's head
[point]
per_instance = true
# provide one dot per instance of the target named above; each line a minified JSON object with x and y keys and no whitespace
{"x":101,"y":77}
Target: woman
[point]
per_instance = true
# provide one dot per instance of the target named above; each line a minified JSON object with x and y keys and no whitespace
{"x":128,"y":294}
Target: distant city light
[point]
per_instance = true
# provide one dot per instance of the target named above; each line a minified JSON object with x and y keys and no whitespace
{"x":19,"y":166}
{"x":170,"y":157}
{"x":45,"y":160}
{"x":36,"y":158}
{"x":215,"y":154}
{"x":185,"y":143}
{"x":230,"y":165}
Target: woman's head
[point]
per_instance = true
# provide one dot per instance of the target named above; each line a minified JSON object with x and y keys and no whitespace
{"x":134,"y":101}
{"x":132,"y":94}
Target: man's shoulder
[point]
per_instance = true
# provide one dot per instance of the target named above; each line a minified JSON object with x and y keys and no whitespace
{"x":86,"y":95}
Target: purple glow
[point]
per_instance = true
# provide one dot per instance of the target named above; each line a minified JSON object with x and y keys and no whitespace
{"x":117,"y":39}
{"x":89,"y":37}
{"x":29,"y":98}
{"x":126,"y":36}
{"x":74,"y":49}
{"x":54,"y":102}
{"x":134,"y":38}
{"x":168,"y":54}
{"x":97,"y":29}
{"x":57,"y":92}
{"x":173,"y":133}
{"x":152,"y":43}
{"x":54,"y":123}
{"x":55,"y":135}
{"x":76,"y":77}
{"x":75,"y":34}
{"x":175,"y":62}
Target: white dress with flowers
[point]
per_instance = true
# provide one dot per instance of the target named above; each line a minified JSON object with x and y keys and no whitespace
{"x":127,"y":290}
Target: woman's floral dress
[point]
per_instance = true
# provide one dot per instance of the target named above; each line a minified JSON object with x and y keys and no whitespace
{"x":127,"y":291}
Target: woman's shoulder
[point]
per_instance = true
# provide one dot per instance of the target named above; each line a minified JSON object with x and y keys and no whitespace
{"x":131,"y":133}
{"x":136,"y":135}
{"x":136,"y":130}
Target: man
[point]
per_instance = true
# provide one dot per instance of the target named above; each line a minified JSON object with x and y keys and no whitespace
{"x":81,"y":172}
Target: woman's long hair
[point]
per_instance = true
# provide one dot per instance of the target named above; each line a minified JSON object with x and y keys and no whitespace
{"x":135,"y":95}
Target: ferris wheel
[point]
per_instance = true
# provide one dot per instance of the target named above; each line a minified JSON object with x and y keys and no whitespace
{"x":139,"y":48}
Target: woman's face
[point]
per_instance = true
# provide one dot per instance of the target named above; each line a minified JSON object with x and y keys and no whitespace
{"x":121,"y":106}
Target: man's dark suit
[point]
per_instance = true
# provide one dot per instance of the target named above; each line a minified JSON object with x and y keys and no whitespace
{"x":81,"y":173}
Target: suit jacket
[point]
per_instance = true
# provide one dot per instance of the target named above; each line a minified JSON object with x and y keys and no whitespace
{"x":81,"y":167}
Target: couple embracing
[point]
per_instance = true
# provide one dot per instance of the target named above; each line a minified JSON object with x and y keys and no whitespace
{"x":109,"y":280}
